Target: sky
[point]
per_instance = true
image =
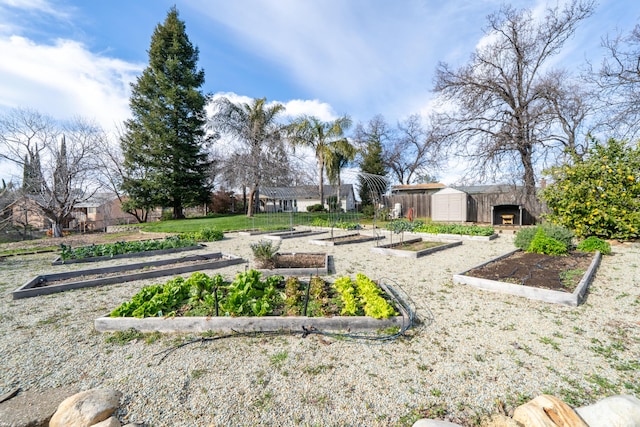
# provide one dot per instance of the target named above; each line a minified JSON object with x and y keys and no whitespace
{"x":68,"y":58}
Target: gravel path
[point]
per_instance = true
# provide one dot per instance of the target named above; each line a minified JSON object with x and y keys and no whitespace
{"x":477,"y":352}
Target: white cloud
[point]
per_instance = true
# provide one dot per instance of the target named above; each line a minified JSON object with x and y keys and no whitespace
{"x":65,"y":79}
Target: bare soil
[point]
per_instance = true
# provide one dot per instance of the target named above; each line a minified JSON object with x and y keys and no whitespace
{"x":299,"y":260}
{"x":415,"y":246}
{"x":560,"y":273}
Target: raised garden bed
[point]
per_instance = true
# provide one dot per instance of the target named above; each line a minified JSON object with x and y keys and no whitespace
{"x":60,"y":282}
{"x":295,"y":323}
{"x":299,"y":264}
{"x":60,"y":261}
{"x":292,"y":234}
{"x":414,"y":248}
{"x":549,"y":278}
{"x":345,"y":239}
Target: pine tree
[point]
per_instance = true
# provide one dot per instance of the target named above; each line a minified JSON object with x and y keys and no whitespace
{"x":163,"y":145}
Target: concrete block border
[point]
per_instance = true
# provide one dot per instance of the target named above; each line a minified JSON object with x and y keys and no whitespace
{"x":292,"y":234}
{"x":547,"y":295}
{"x":210,"y":261}
{"x":388,"y":249}
{"x":330,"y":242}
{"x":59,"y":261}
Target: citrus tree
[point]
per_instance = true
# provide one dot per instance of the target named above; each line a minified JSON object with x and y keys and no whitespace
{"x":598,"y":195}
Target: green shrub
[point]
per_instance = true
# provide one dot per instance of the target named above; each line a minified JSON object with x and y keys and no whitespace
{"x":593,"y":243}
{"x":315,"y":208}
{"x":543,"y":244}
{"x":598,"y":194}
{"x":558,"y":232}
{"x":265,"y":252}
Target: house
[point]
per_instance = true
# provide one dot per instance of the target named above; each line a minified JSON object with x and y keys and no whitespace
{"x":297,"y":199}
{"x":26,"y":212}
{"x":98,"y":212}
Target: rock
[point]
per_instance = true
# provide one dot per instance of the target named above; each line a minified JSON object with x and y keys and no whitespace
{"x":86,"y":408}
{"x":30,"y":408}
{"x":547,"y":411}
{"x":109,"y":422}
{"x":500,"y":421}
{"x":614,"y":411}
{"x":434,"y":423}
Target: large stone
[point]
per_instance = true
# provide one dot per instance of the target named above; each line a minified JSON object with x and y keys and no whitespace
{"x":86,"y":408}
{"x":547,"y":411}
{"x":32,"y":409}
{"x":434,"y":423}
{"x":614,"y":411}
{"x":109,"y":422}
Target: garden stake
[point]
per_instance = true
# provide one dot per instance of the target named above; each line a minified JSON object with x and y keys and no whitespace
{"x":306,"y":299}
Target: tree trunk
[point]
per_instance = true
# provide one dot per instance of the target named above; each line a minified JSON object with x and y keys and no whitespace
{"x":251,"y":202}
{"x":321,"y":184}
{"x":56,"y":229}
{"x":177,"y":211}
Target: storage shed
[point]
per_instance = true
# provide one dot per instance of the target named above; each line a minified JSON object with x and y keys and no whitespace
{"x":450,"y":205}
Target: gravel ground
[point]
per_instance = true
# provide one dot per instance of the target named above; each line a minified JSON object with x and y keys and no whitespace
{"x":476,"y":352}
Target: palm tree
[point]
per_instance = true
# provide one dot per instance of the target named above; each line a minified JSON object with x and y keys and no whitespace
{"x":311,"y":132}
{"x":254,"y":125}
{"x":341,"y":152}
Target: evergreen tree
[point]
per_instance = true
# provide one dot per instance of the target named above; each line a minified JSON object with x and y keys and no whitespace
{"x":372,"y":179}
{"x":163,"y":144}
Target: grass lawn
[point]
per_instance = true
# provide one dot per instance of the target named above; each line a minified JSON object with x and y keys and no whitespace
{"x":274,"y":221}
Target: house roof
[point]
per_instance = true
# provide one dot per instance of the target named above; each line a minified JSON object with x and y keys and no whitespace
{"x":417,"y":187}
{"x":488,"y":189}
{"x":303,"y":191}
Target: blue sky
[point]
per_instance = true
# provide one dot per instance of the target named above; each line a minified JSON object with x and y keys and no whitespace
{"x":322,"y":57}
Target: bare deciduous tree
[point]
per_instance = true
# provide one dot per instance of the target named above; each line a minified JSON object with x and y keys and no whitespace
{"x":413,"y":150}
{"x":500,"y":118}
{"x":66,"y":154}
{"x":618,"y":79}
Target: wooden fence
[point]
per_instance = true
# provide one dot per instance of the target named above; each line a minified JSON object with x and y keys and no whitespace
{"x":420,"y":203}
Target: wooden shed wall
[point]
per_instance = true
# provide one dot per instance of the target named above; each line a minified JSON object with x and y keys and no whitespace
{"x":478,"y":206}
{"x":421,"y":204}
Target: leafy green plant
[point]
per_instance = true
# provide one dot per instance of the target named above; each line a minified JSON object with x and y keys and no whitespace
{"x":362,"y":296}
{"x":558,"y":232}
{"x":265,"y":252}
{"x":593,"y":243}
{"x":248,"y":295}
{"x":293,"y":296}
{"x":347,"y":291}
{"x":206,"y":234}
{"x":119,"y":248}
{"x":371,"y":296}
{"x":419,"y":226}
{"x":543,"y":244}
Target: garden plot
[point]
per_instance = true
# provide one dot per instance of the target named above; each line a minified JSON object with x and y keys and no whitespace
{"x":549,"y":278}
{"x":313,"y":305}
{"x":60,"y":282}
{"x":414,"y":248}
